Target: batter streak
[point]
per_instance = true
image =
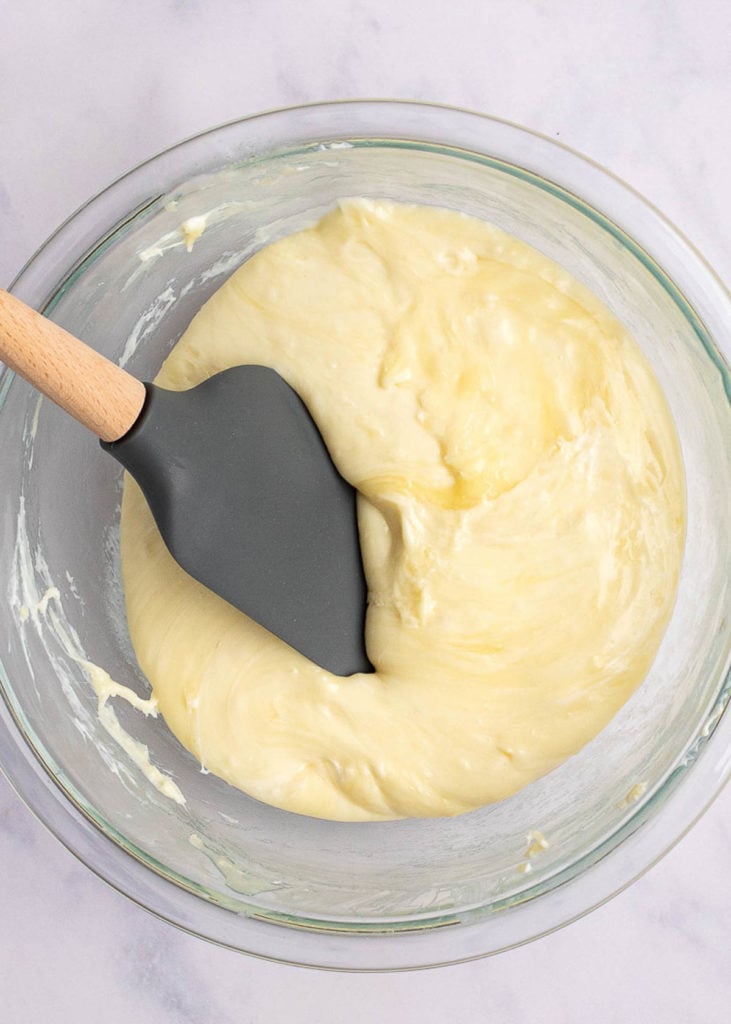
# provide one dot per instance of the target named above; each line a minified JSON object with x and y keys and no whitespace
{"x":521,"y":516}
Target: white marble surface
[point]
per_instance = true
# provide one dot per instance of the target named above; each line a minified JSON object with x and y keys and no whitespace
{"x":90,"y":87}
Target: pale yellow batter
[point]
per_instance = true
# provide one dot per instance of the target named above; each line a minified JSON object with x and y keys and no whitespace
{"x":521,"y":514}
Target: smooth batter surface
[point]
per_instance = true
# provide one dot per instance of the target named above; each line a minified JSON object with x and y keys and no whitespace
{"x":522,"y":521}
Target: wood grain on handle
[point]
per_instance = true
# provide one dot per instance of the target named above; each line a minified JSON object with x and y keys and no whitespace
{"x":96,"y":392}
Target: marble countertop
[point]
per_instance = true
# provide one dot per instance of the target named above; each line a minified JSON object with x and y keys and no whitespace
{"x":89,"y":88}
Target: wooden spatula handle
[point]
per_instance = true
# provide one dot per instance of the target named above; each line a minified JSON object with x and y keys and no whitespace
{"x":96,"y":392}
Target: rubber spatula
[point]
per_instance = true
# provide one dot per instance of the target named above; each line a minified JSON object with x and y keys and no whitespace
{"x":237,"y":476}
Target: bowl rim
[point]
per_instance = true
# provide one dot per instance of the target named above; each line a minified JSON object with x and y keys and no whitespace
{"x":353,"y":103}
{"x":42,"y":789}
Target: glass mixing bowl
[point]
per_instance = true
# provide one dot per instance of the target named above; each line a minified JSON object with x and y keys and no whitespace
{"x":127,"y":273}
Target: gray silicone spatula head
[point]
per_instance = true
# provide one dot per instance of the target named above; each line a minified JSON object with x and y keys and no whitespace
{"x":237,"y":477}
{"x":248,"y":501}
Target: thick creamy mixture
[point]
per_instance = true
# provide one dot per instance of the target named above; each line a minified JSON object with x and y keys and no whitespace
{"x":521,"y":515}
